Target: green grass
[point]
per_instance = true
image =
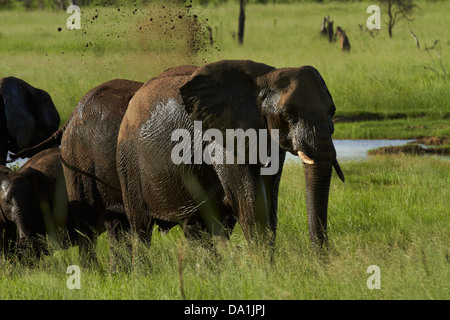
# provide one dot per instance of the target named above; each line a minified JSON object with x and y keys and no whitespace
{"x":380,"y":75}
{"x":391,"y":212}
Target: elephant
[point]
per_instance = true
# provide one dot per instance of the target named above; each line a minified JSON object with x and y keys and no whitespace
{"x":33,"y":203}
{"x":27,"y":116}
{"x":88,"y":151}
{"x":291,"y":107}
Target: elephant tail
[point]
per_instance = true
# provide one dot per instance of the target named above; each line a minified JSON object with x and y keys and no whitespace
{"x":52,"y":141}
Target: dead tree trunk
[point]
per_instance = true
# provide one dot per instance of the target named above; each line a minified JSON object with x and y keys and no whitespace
{"x":210,"y":32}
{"x":391,"y":19}
{"x":330,"y":30}
{"x":241,"y":22}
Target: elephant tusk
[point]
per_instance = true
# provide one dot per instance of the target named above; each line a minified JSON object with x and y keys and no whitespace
{"x":305,"y":158}
{"x":338,"y":169}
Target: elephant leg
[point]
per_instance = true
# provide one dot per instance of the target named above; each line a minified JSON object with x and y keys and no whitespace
{"x":87,"y":234}
{"x":87,"y":242}
{"x":3,"y":240}
{"x":250,"y":196}
{"x":228,"y":222}
{"x":265,"y":226}
{"x":141,"y":223}
{"x":8,"y":238}
{"x":119,"y":244}
{"x":140,"y":242}
{"x":194,"y":229}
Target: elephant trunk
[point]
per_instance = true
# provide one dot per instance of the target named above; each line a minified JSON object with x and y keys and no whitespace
{"x":317,"y":178}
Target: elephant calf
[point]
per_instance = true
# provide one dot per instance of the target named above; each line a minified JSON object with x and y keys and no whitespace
{"x":33,"y":203}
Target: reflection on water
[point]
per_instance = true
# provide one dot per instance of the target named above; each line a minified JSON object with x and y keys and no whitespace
{"x":356,"y":149}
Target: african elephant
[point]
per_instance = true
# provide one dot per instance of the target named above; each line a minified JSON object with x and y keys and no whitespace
{"x":290,"y":107}
{"x":88,"y":151}
{"x":27,"y":116}
{"x":33,"y":203}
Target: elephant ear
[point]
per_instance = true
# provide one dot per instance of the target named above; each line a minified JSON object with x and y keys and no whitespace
{"x":223,"y":95}
{"x":47,"y":115}
{"x":30,"y":113}
{"x":20,"y":122}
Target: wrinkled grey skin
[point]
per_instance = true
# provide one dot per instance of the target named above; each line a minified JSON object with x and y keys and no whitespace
{"x":27,"y":116}
{"x":33,"y":204}
{"x":88,"y":151}
{"x":224,"y":95}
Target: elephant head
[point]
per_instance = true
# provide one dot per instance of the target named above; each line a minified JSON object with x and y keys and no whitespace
{"x":294,"y":101}
{"x":27,"y":116}
{"x":297,"y":102}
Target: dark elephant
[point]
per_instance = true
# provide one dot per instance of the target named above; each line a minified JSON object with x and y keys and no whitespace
{"x":33,"y":204}
{"x":27,"y":116}
{"x":88,"y":151}
{"x":292,"y":106}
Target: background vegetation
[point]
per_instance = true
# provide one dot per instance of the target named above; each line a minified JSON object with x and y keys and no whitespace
{"x":391,"y":211}
{"x":380,"y":79}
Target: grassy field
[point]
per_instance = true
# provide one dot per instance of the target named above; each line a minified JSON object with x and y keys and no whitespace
{"x":390,"y":78}
{"x":380,"y":75}
{"x":391,"y":212}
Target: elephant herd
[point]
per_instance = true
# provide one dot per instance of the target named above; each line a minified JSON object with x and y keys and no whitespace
{"x":114,"y":169}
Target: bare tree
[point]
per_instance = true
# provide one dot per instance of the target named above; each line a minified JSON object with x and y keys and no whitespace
{"x":398,"y":10}
{"x":345,"y":43}
{"x":323,"y":27}
{"x":241,"y":22}
{"x":330,"y":30}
